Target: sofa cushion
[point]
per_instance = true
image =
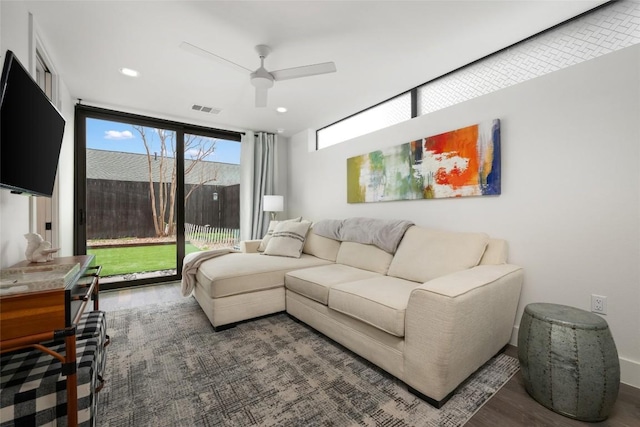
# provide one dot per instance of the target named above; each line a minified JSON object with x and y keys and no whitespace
{"x":380,"y":301}
{"x":314,"y":282}
{"x":288,"y":239}
{"x":272,"y":226}
{"x":320,"y":246}
{"x":237,"y":273}
{"x":425,"y":254}
{"x":366,"y":257}
{"x":496,"y":252}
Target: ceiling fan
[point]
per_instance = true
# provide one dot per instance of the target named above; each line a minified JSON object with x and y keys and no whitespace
{"x":262,"y":79}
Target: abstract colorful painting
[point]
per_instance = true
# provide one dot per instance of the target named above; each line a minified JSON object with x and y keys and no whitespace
{"x":459,"y":163}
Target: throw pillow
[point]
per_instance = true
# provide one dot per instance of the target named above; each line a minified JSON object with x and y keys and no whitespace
{"x":288,"y":239}
{"x":272,"y":226}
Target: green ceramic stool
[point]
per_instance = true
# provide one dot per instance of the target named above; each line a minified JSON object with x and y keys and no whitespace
{"x":569,"y":360}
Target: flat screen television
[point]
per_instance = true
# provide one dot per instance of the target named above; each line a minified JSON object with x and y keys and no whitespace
{"x":31,"y":130}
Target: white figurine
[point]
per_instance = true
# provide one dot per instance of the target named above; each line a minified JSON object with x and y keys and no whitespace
{"x":38,"y":250}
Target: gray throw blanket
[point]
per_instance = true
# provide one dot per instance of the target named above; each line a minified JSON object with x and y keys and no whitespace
{"x":191,"y":263}
{"x":383,"y":233}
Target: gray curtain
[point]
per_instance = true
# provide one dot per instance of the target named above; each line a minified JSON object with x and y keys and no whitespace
{"x":258,"y":178}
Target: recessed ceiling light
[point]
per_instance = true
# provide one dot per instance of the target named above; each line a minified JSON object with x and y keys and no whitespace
{"x":280,"y":130}
{"x":129,"y":72}
{"x":281,"y":110}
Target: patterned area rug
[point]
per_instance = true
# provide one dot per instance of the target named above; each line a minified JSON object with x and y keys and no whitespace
{"x":167,"y":367}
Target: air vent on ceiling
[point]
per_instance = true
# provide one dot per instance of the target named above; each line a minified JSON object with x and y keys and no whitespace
{"x":209,"y":110}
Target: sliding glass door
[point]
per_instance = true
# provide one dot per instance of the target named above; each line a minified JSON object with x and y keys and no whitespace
{"x":130,"y":190}
{"x":134,"y":177}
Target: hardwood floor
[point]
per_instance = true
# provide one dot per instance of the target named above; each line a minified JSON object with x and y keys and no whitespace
{"x":120,"y":299}
{"x":510,"y":407}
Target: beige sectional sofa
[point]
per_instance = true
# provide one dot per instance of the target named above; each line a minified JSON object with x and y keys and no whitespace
{"x":430,"y":314}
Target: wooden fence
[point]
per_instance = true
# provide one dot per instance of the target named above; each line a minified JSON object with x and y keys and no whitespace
{"x":206,"y":237}
{"x":214,"y":205}
{"x":118,"y":209}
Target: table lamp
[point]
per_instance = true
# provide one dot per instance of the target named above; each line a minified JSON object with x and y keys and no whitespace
{"x":273,"y":204}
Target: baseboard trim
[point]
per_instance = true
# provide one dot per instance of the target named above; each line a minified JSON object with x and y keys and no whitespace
{"x":630,"y":372}
{"x":514,"y":336}
{"x":629,"y":369}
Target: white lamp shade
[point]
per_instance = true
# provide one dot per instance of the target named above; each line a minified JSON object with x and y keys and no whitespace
{"x":273,"y":203}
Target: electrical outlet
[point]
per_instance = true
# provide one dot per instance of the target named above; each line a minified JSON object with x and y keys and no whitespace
{"x":599,"y":304}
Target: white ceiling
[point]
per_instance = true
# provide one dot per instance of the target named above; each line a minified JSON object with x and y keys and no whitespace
{"x":380,"y":48}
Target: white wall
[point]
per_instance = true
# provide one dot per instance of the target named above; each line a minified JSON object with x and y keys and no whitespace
{"x":66,"y":174}
{"x":281,"y":170}
{"x":15,"y":209}
{"x":570,"y":202}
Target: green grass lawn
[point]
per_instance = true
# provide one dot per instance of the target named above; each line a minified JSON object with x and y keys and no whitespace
{"x":137,"y":259}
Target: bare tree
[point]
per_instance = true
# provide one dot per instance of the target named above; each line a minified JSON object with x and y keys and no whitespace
{"x":162,"y":170}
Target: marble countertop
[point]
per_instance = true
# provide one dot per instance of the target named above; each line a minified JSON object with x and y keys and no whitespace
{"x":18,"y":280}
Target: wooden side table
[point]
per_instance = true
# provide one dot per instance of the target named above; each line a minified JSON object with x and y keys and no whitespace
{"x":569,"y":360}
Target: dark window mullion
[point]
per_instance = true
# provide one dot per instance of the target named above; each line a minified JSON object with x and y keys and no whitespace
{"x":180,"y":202}
{"x":80,"y":187}
{"x":414,"y":102}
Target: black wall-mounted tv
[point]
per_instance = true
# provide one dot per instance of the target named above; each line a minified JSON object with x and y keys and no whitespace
{"x":31,"y":130}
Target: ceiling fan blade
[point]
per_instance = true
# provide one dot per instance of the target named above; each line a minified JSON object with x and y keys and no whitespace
{"x":304,"y":71}
{"x":261,"y":97}
{"x":206,"y":54}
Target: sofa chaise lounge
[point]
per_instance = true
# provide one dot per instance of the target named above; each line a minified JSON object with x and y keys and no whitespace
{"x":430,"y":312}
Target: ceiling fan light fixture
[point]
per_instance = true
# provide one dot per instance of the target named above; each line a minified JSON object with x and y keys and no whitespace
{"x":262,"y":79}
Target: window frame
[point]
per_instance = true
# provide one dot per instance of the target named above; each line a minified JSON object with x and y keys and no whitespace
{"x":84,"y":112}
{"x":414,"y":90}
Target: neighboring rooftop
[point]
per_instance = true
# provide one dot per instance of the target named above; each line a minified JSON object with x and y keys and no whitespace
{"x":119,"y":166}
